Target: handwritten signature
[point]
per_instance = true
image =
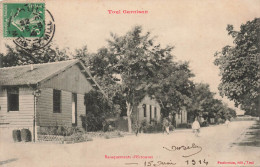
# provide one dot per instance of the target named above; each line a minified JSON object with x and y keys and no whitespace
{"x":159,"y":163}
{"x":185,"y":148}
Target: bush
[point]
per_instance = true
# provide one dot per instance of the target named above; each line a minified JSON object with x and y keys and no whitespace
{"x":184,"y":125}
{"x":119,"y":134}
{"x":16,"y":135}
{"x":107,"y":137}
{"x":220,"y":121}
{"x":98,"y":109}
{"x":144,"y":123}
{"x":189,"y":126}
{"x":152,"y":128}
{"x":59,"y":131}
{"x":204,"y":124}
{"x":76,"y":138}
{"x":26,"y":135}
{"x":84,"y":121}
{"x":48,"y":130}
{"x":171,"y":127}
{"x":158,"y":127}
{"x":89,"y":139}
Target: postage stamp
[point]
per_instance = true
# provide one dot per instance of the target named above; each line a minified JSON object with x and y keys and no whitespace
{"x":30,"y":25}
{"x":23,"y":19}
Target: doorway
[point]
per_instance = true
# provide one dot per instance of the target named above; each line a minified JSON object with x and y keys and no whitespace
{"x":74,"y":109}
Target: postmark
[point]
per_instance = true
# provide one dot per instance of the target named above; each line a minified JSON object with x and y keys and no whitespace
{"x":24,"y":19}
{"x":30,"y":25}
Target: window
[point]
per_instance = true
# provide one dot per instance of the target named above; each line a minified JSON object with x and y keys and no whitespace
{"x":13,"y":99}
{"x":155,"y":112}
{"x":56,"y":101}
{"x":150,"y":112}
{"x":144,"y":107}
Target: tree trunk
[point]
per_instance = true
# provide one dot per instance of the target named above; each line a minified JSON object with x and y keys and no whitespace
{"x":129,"y":112}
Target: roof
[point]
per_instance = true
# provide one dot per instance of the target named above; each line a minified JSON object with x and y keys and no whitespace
{"x":23,"y":75}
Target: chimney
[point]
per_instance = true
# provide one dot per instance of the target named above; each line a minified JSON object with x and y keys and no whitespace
{"x":32,"y":67}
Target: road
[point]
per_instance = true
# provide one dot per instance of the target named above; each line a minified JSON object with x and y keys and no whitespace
{"x":180,"y":148}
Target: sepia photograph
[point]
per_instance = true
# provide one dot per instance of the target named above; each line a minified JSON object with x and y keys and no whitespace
{"x":129,"y":83}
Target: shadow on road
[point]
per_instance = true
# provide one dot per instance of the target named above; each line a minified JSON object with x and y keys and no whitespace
{"x":252,"y":136}
{"x":8,"y":161}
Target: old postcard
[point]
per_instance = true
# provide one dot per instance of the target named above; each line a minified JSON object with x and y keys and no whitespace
{"x":129,"y":83}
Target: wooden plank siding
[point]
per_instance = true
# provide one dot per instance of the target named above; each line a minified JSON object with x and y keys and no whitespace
{"x":45,"y":115}
{"x":81,"y":109}
{"x":71,"y":80}
{"x":17,"y":119}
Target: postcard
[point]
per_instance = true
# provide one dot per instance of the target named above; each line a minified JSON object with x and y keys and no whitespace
{"x":129,"y":83}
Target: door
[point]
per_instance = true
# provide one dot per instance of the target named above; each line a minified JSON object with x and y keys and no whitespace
{"x":74,"y":109}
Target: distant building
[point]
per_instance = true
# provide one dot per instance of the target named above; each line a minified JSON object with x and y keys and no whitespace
{"x":148,"y":109}
{"x":181,"y":117}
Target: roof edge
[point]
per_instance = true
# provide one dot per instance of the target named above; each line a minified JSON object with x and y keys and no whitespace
{"x":89,"y":74}
{"x":52,"y":75}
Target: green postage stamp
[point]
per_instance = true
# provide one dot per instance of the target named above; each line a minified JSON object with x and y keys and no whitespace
{"x":23,"y":19}
{"x":30,"y":25}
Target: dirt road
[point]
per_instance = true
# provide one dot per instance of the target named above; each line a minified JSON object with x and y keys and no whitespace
{"x":180,"y":148}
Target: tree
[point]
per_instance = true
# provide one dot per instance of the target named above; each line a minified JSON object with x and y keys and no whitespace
{"x":18,"y":56}
{"x":202,"y":101}
{"x":98,"y":108}
{"x":204,"y":104}
{"x":239,"y":67}
{"x":100,"y":65}
{"x":172,"y":87}
{"x":137,"y":60}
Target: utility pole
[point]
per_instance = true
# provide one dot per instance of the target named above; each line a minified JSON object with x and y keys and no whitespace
{"x":36,"y":94}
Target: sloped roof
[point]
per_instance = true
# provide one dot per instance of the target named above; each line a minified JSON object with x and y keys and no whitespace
{"x":23,"y":75}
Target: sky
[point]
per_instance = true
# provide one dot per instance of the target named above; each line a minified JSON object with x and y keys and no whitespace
{"x":196,"y":28}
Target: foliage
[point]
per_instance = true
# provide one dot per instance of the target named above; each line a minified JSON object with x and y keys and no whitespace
{"x":113,"y":135}
{"x":17,"y":135}
{"x":18,"y":56}
{"x":26,"y":135}
{"x":100,"y":65}
{"x":153,"y":127}
{"x":76,"y":138}
{"x":204,"y":124}
{"x":59,"y":130}
{"x":204,"y":104}
{"x":172,"y":87}
{"x":171,"y":128}
{"x":136,"y":62}
{"x":83,"y":121}
{"x":125,"y":68}
{"x":98,"y":108}
{"x":239,"y":67}
{"x":202,"y":100}
{"x":183,"y":125}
